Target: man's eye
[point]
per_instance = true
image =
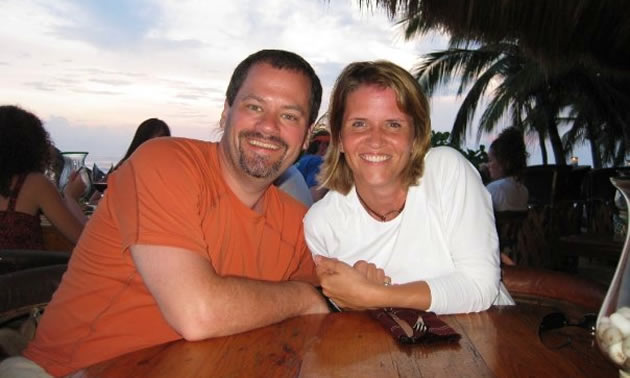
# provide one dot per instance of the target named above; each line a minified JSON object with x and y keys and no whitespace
{"x":254,"y":107}
{"x":289,"y":117}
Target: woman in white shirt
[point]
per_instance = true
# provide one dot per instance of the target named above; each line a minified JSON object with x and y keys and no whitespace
{"x":507,"y":157}
{"x":398,"y":211}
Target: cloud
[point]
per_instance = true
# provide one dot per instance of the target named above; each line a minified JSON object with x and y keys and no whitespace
{"x":106,"y":24}
{"x":95,"y":92}
{"x":98,"y":67}
{"x":40,"y":86}
{"x":90,"y":139}
{"x":112,"y":82}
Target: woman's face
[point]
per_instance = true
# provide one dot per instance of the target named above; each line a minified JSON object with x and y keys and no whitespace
{"x":494,"y":167}
{"x":376,"y":137}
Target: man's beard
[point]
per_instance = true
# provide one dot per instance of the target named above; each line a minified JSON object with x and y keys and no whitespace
{"x":259,"y":166}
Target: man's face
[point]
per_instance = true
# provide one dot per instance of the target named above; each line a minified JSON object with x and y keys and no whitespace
{"x":266,"y":125}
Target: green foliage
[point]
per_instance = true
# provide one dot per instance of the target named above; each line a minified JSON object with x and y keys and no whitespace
{"x":476,"y":157}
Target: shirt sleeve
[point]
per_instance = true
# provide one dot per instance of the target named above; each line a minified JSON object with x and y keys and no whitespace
{"x":306,"y":268}
{"x":155,"y":196}
{"x":316,"y":229}
{"x":468,"y":223}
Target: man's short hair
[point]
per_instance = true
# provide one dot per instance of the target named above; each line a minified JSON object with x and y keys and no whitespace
{"x":283,"y":60}
{"x":335,"y":173}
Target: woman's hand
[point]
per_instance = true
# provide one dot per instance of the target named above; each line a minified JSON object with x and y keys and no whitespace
{"x":372,"y":273}
{"x":75,"y":187}
{"x":350,"y":287}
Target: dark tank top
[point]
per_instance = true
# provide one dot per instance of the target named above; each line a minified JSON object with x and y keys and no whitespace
{"x":19,"y":230}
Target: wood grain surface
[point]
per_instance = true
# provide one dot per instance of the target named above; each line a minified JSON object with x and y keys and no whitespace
{"x":501,"y":342}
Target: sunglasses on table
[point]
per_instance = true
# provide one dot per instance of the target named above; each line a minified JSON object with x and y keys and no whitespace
{"x":558,"y":320}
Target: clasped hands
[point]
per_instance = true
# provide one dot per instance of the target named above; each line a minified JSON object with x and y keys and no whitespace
{"x":354,"y":287}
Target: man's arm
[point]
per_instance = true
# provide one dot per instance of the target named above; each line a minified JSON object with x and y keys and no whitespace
{"x":199,"y":304}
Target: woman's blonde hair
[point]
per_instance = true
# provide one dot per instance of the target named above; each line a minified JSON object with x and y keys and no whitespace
{"x":335,"y":173}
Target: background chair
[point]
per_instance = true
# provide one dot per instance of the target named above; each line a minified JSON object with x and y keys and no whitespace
{"x":13,"y":260}
{"x":23,"y":295}
{"x":551,"y":288}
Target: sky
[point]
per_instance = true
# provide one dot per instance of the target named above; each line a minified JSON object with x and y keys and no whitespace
{"x":93,"y":70}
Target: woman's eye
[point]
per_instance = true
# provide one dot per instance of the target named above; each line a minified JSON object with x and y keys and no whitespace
{"x":395,"y":125}
{"x":358,"y":124}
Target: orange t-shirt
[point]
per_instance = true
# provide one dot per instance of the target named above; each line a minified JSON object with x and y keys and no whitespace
{"x":171,"y":192}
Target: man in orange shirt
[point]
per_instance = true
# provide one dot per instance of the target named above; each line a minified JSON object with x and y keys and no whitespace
{"x":191,"y":240}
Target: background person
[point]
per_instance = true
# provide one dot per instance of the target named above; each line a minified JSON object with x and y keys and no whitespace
{"x":291,"y":181}
{"x":25,"y":192}
{"x":148,"y":129}
{"x":507,"y":157}
{"x":310,"y":163}
{"x":397,"y":210}
{"x":191,"y":239}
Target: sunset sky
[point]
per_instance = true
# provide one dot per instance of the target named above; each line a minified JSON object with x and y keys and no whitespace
{"x":93,"y":70}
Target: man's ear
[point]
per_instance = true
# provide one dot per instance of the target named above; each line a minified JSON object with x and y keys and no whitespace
{"x":307,"y":137}
{"x":226,"y":109}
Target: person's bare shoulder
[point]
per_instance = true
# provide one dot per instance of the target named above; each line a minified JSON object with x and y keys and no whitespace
{"x":36,"y":183}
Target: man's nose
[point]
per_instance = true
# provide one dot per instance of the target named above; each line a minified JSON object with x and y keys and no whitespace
{"x":268,"y":123}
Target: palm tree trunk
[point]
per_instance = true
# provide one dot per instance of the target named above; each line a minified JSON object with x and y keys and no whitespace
{"x":556,"y":142}
{"x":591,"y":135}
{"x":595,"y":156}
{"x":543,"y":148}
{"x":626,"y":135}
{"x":620,"y":157}
{"x":550,"y":111}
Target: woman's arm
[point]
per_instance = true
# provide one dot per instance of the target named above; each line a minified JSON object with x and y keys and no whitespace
{"x":64,"y":213}
{"x":467,"y":225}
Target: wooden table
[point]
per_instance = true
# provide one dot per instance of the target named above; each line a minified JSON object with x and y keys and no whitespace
{"x":590,"y":245}
{"x":501,"y":342}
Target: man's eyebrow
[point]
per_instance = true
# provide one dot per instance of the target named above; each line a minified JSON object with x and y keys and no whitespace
{"x":295,"y":107}
{"x":253,"y":97}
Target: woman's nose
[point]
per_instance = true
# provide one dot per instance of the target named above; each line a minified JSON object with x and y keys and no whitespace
{"x":375,"y":137}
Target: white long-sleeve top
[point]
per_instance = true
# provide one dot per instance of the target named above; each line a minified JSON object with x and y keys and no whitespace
{"x":445,"y":235}
{"x":508,"y":194}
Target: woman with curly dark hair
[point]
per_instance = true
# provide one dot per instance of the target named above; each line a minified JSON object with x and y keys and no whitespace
{"x":507,"y":157}
{"x":24,"y":190}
